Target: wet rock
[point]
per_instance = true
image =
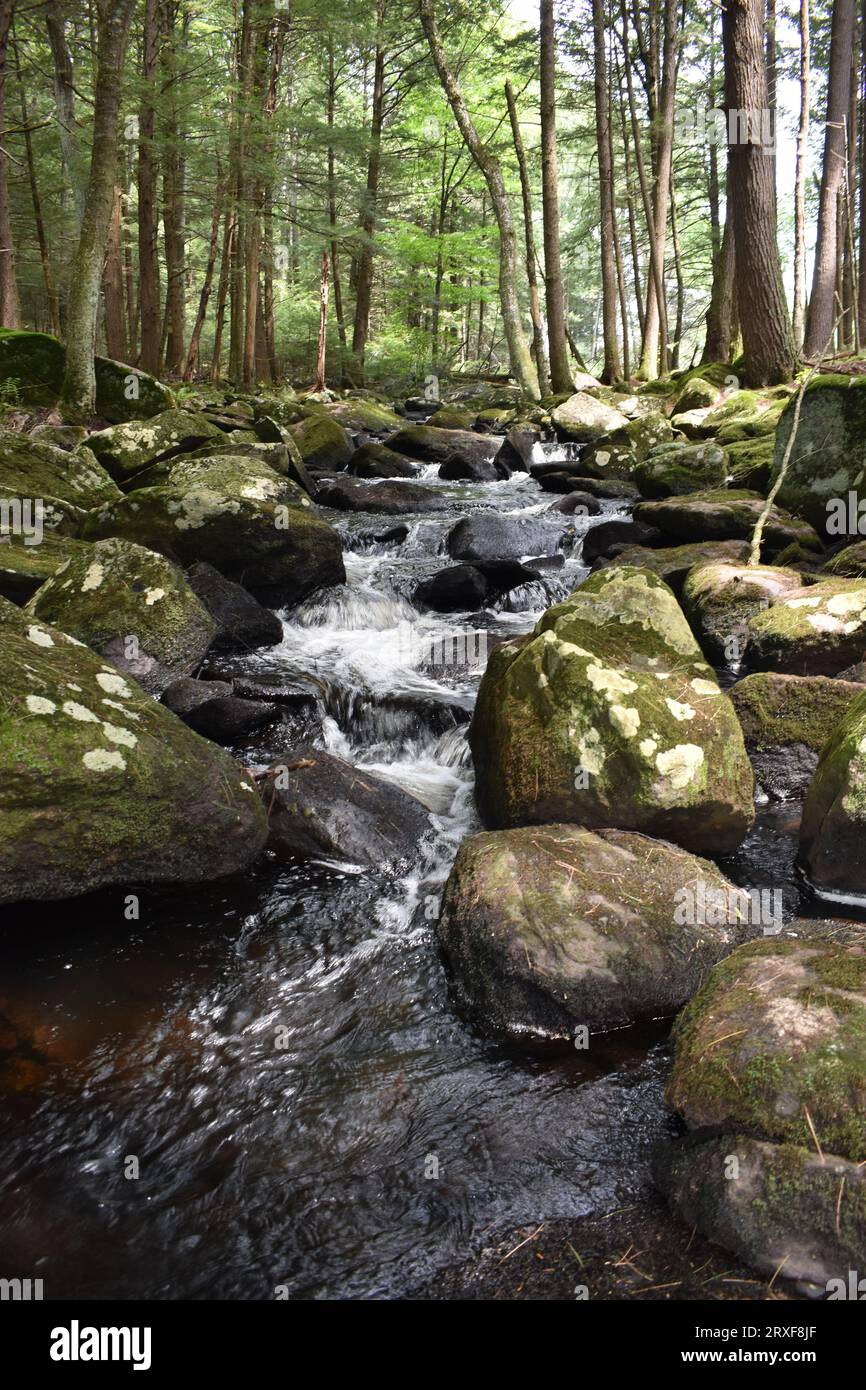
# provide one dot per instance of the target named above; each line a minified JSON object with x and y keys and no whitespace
{"x":124,"y":450}
{"x":491,"y":536}
{"x":431,"y":445}
{"x":608,"y":715}
{"x":320,"y":807}
{"x":724,"y":515}
{"x":243,"y":623}
{"x":229,"y":718}
{"x":251,"y":524}
{"x":549,"y":929}
{"x":459,"y":467}
{"x":815,"y":630}
{"x":614,"y":488}
{"x":832,"y":838}
{"x":579,"y":503}
{"x":376,"y":461}
{"x":600,"y":540}
{"x":186,"y":694}
{"x":676,"y":470}
{"x":386,"y":498}
{"x":515,"y":452}
{"x":782,"y":1208}
{"x":583,"y":418}
{"x":719,"y":600}
{"x":564,"y":483}
{"x":100,"y":784}
{"x":133,"y":606}
{"x":456,"y":589}
{"x":786,"y":720}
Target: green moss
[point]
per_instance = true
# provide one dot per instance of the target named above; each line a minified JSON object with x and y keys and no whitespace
{"x":776,"y":709}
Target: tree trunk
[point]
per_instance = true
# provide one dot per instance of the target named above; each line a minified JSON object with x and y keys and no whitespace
{"x":719,"y":342}
{"x":861,"y":274}
{"x":332,"y":212}
{"x":112,"y":285}
{"x":612,"y":369}
{"x":64,"y":102}
{"x":654,"y":348}
{"x":173,"y":185}
{"x":800,"y":181}
{"x":319,"y":383}
{"x":364,"y":282}
{"x":10,"y":309}
{"x":822,"y":310}
{"x":768,"y":350}
{"x":79,"y":382}
{"x":522,"y":367}
{"x":44,"y":256}
{"x":195,"y":337}
{"x":554,"y":297}
{"x":531,"y":258}
{"x":148,"y":212}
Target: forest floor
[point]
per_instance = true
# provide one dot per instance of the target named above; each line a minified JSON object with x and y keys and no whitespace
{"x":640,"y":1252}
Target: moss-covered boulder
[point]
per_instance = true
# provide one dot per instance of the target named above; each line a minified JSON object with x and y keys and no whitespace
{"x":815,"y":630}
{"x":645,"y":433}
{"x":450,"y":418}
{"x":322,"y":443}
{"x":31,"y":468}
{"x":608,"y":460}
{"x":100,"y":784}
{"x":786,"y":720}
{"x":736,"y":407}
{"x":430,"y":445}
{"x":724,"y":515}
{"x":850,"y":563}
{"x":829,"y":454}
{"x":23,"y":567}
{"x":719,"y":599}
{"x":750,"y":463}
{"x":676,"y":469}
{"x":364,"y":416}
{"x":126,"y":449}
{"x":697,"y":394}
{"x":833,"y":827}
{"x":132,"y":606}
{"x":547,"y":930}
{"x":673,"y":563}
{"x":607,"y":715}
{"x":774,"y":1045}
{"x":378,"y":461}
{"x":250,"y":523}
{"x":33,"y":365}
{"x":583,"y":418}
{"x":782,"y":1208}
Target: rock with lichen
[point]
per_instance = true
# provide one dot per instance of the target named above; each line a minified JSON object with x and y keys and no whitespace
{"x":719,"y":600}
{"x":817,"y":629}
{"x":833,"y":827}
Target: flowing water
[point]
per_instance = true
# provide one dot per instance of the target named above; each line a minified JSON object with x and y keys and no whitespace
{"x":263,"y":1084}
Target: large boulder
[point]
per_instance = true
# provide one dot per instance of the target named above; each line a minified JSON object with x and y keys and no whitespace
{"x":24,"y":567}
{"x":100,"y":784}
{"x":243,"y":624}
{"x":431,"y":445}
{"x":458,"y":588}
{"x":833,"y":827}
{"x":377,"y":461}
{"x":364,"y":416}
{"x":320,"y":807}
{"x":697,"y":394}
{"x":719,"y":599}
{"x":321,"y":442}
{"x":549,"y":929}
{"x":488,"y":536}
{"x":130,"y":605}
{"x":786,"y":720}
{"x":250,"y":523}
{"x":385,"y":497}
{"x":674,"y":563}
{"x":829,"y":453}
{"x":124,"y":450}
{"x":607,"y":715}
{"x":583,"y":418}
{"x":813,"y":630}
{"x":31,"y":468}
{"x":674,"y":470}
{"x":35,"y":363}
{"x":720,"y":515}
{"x":517,"y":448}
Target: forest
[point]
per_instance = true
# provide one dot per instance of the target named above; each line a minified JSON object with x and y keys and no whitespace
{"x":433,"y":659}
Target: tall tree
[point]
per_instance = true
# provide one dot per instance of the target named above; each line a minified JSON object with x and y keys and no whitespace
{"x":554,"y":295}
{"x":767,"y":347}
{"x":10,"y":309}
{"x":612,"y":369}
{"x":799,"y":313}
{"x":822,"y":312}
{"x":522,"y":367}
{"x":79,"y":382}
{"x":531,"y":255}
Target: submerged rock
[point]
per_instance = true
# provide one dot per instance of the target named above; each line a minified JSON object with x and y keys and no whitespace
{"x":320,"y":807}
{"x":131,"y":605}
{"x":607,"y":715}
{"x":547,"y":929}
{"x":100,"y":784}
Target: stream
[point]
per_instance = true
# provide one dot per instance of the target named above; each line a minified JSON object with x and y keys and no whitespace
{"x":262,"y":1085}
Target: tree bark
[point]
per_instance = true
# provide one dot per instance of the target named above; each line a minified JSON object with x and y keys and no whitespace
{"x":39,"y":220}
{"x":654,"y":348}
{"x":768,"y":350}
{"x":10,"y":309}
{"x":364,"y":281}
{"x":612,"y":369}
{"x":112,"y":285}
{"x":822,"y":313}
{"x":79,"y":382}
{"x":195,"y":336}
{"x":148,"y":212}
{"x":64,"y":102}
{"x":799,"y":313}
{"x":554,"y":296}
{"x":319,"y":383}
{"x":719,"y":342}
{"x":531,"y":258}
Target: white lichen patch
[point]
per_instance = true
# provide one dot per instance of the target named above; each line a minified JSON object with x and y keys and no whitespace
{"x":117,"y":735}
{"x":679,"y":765}
{"x":37,"y":704}
{"x":79,"y":712}
{"x":103,"y":760}
{"x":842,"y":604}
{"x":704,"y":687}
{"x":609,"y":682}
{"x":127,"y":713}
{"x":680,"y":711}
{"x":152,"y":596}
{"x":591,"y":752}
{"x":114,"y":684}
{"x":626,"y":719}
{"x":93,"y":578}
{"x":39,"y":637}
{"x":648,"y":747}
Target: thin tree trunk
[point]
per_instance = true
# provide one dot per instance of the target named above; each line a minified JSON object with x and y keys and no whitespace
{"x":319,"y":383}
{"x":554,"y":297}
{"x":719,"y":342}
{"x":229,"y":228}
{"x":112,"y":285}
{"x":768,"y":349}
{"x":522,"y":366}
{"x":799,"y":313}
{"x":612,"y":369}
{"x":861,"y":275}
{"x":531,"y":257}
{"x":173,"y":181}
{"x":822,"y":315}
{"x":79,"y":382}
{"x":332,"y":211}
{"x":654,"y":349}
{"x":44,"y":256}
{"x":364,"y":283}
{"x":678,"y":272}
{"x":64,"y":102}
{"x":195,"y":337}
{"x":148,"y":211}
{"x":10,"y":309}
